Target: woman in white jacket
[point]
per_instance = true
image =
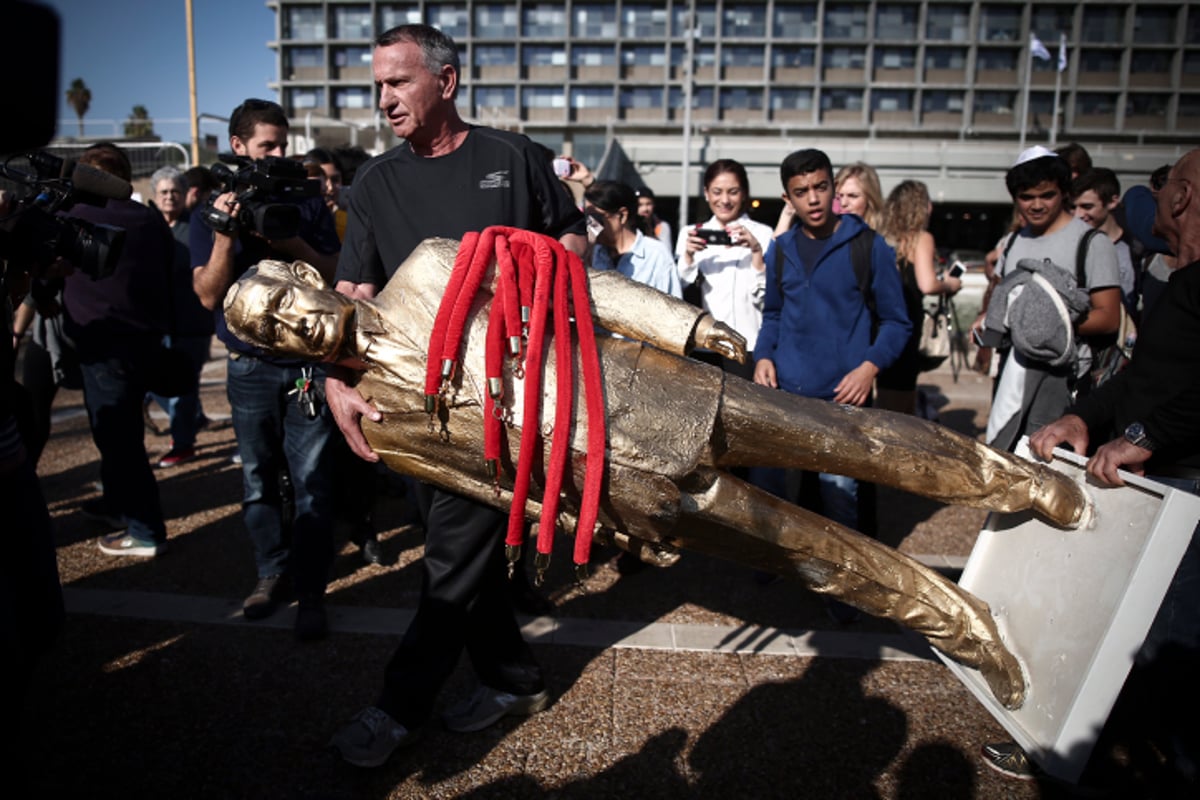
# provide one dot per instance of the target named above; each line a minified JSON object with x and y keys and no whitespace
{"x":725,"y":254}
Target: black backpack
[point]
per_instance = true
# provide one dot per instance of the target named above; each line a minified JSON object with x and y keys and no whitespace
{"x":860,"y":260}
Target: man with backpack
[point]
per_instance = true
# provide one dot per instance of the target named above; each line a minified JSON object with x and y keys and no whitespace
{"x":1053,"y":349}
{"x":833,"y":315}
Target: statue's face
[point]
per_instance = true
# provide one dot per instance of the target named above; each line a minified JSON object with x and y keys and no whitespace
{"x":281,"y":310}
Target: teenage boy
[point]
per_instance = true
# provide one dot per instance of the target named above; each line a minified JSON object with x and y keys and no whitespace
{"x":822,"y":335}
{"x":1030,"y":392}
{"x":1096,"y":194}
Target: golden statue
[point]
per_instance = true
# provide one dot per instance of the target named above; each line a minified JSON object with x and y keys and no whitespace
{"x":675,"y":426}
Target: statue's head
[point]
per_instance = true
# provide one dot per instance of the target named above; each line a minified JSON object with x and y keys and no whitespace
{"x":287,"y":309}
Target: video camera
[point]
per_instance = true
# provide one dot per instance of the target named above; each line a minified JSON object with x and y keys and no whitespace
{"x":267,"y":191}
{"x":34,"y":234}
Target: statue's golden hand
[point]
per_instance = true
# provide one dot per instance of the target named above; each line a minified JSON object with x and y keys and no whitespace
{"x":720,"y":338}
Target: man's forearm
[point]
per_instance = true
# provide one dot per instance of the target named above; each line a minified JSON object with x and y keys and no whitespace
{"x":212,"y":280}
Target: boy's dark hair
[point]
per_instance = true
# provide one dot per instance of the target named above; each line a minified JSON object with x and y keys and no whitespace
{"x":1101,"y":180}
{"x":108,"y":157}
{"x":802,"y":162}
{"x":612,"y":196}
{"x":201,"y":178}
{"x":1076,"y":156}
{"x":350,"y":157}
{"x":254,"y":112}
{"x":1030,"y":173}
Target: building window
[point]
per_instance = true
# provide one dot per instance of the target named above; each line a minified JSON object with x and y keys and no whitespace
{"x":497,"y":55}
{"x":740,"y":98}
{"x":392,"y":15}
{"x":896,"y":22}
{"x":795,"y":22}
{"x":1191,"y":63}
{"x":1100,"y":61}
{"x":493,"y":97}
{"x":895,"y":57}
{"x":948,"y":23}
{"x":303,"y":57}
{"x":352,"y":97}
{"x":941,"y":100}
{"x":1095,"y":103}
{"x":450,"y":20}
{"x":842,"y":100}
{"x":793,"y":56}
{"x":593,"y":56}
{"x":352,"y":57}
{"x":1155,"y":25}
{"x":1050,"y":21}
{"x":702,"y":97}
{"x":591,"y":97}
{"x":1103,"y":24}
{"x":945,"y":58}
{"x":891,"y":100}
{"x":495,"y":22}
{"x":1143,"y":104}
{"x":648,"y":56}
{"x":545,"y":20}
{"x":596,"y":22}
{"x":994,"y":102}
{"x":706,"y":20}
{"x":844,"y":57}
{"x":1000,"y":23}
{"x":1151,"y":61}
{"x":791,"y":99}
{"x":1189,"y":105}
{"x":306,"y":23}
{"x":997,"y":59}
{"x":543,"y":97}
{"x":352,"y":22}
{"x":705,"y":55}
{"x":306,"y":97}
{"x":743,"y":57}
{"x":844,"y":21}
{"x":642,"y":97}
{"x":545,"y":56}
{"x":644,"y":21}
{"x":744,"y":19}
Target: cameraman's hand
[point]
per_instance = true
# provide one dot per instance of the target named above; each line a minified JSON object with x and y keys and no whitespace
{"x":228,"y":203}
{"x":348,"y":408}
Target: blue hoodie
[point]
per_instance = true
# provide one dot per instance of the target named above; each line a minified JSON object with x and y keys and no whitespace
{"x":823,"y":330}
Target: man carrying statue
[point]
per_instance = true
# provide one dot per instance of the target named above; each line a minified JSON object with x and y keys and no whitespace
{"x":675,"y":429}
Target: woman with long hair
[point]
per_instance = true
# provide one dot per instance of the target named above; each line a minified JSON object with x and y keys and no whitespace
{"x":725,"y":255}
{"x":905,"y":217}
{"x":621,"y":245}
{"x":856,"y":188}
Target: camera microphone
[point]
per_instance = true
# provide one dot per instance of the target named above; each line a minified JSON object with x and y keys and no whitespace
{"x":96,"y":182}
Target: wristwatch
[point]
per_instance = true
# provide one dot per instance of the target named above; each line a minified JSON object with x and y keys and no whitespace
{"x":1135,"y":434}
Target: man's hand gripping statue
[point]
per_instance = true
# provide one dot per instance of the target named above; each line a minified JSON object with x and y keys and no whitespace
{"x":644,"y":460}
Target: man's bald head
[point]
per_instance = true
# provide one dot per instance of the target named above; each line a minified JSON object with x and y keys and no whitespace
{"x":1177,"y":215}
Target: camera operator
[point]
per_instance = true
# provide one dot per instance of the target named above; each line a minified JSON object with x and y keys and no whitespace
{"x":278,"y":417}
{"x":117,"y":323}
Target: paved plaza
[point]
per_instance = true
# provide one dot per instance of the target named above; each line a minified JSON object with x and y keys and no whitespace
{"x":696,"y":681}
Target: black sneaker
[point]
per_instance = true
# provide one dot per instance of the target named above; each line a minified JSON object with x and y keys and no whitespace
{"x":311,"y":622}
{"x":1010,"y":760}
{"x":261,"y":602}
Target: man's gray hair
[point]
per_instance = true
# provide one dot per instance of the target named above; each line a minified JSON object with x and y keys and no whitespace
{"x":438,"y":48}
{"x":168,"y":173}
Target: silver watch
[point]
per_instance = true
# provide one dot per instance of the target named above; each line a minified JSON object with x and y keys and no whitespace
{"x":1135,"y":434}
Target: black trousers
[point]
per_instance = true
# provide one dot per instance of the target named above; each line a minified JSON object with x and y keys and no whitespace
{"x":464,"y":604}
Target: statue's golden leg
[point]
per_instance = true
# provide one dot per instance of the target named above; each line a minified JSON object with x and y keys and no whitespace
{"x":728,"y":518}
{"x":759,"y":426}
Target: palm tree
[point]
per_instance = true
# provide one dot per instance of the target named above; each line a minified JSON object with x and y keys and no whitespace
{"x":80,"y":98}
{"x":139,"y":123}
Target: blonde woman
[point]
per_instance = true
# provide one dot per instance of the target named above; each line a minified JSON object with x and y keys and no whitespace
{"x":856,"y":188}
{"x":905,"y":217}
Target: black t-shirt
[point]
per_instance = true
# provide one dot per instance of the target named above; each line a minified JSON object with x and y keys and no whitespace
{"x":400,"y":199}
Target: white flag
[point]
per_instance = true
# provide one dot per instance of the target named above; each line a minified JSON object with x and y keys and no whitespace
{"x":1037,"y":48}
{"x":1062,"y":52}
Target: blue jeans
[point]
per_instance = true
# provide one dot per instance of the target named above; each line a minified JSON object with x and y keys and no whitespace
{"x":273,"y":433}
{"x":839,"y":494}
{"x":113,"y":389}
{"x":184,"y":411}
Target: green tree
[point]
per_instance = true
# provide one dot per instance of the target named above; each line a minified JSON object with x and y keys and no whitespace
{"x":139,"y":123}
{"x":80,"y":98}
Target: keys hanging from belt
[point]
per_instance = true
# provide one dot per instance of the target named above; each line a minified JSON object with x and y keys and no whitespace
{"x":305,"y":393}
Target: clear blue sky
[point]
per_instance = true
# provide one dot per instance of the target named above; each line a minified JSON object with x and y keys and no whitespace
{"x":134,"y":52}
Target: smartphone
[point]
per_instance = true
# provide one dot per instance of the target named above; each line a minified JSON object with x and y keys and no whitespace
{"x":562,"y":167}
{"x":714,"y":235}
{"x":957,"y":269}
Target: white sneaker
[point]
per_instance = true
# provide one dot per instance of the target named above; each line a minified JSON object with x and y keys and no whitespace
{"x":370,"y":738}
{"x":486,"y":706}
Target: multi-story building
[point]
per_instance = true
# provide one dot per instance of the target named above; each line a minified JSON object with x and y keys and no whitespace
{"x":933,"y":89}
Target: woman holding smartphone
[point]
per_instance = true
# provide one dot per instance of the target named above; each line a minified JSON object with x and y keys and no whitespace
{"x":905,"y":216}
{"x":725,"y":256}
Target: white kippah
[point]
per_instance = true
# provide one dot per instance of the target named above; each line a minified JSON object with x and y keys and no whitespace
{"x":1030,"y":153}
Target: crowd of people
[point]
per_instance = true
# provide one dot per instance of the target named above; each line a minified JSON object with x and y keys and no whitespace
{"x":830,"y":301}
